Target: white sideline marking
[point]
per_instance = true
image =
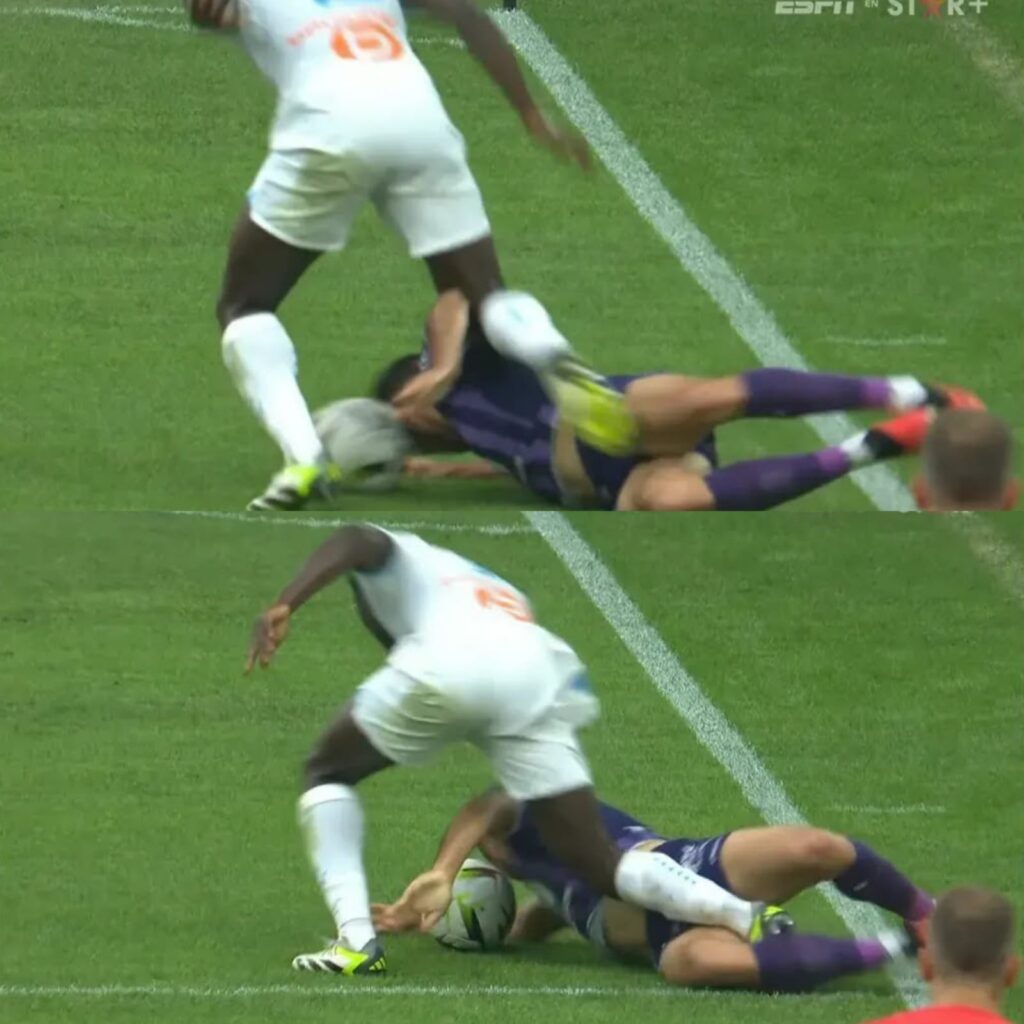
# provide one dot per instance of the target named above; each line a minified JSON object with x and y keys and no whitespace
{"x":698,"y":257}
{"x":991,"y":58}
{"x":896,"y":809}
{"x":324,"y":522}
{"x":709,"y":725}
{"x":378,"y":989}
{"x":912,"y":341}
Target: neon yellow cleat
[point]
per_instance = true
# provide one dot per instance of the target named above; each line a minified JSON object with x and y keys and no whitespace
{"x":770,"y":920}
{"x":337,"y":959}
{"x":593,"y":407}
{"x":293,"y":486}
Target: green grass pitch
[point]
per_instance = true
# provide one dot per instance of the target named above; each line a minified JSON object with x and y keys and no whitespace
{"x":860,"y":173}
{"x":148,"y":788}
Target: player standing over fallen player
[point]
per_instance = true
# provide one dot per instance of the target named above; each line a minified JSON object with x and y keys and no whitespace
{"x":359,"y":120}
{"x":466,"y":662}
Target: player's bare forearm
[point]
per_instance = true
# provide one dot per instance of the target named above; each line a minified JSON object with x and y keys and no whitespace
{"x":535,"y":923}
{"x":447,"y":325}
{"x":490,"y":814}
{"x":488,"y":46}
{"x":479,"y":469}
{"x":351,"y":549}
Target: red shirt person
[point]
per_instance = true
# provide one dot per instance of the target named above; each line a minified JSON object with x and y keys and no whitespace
{"x":968,"y":960}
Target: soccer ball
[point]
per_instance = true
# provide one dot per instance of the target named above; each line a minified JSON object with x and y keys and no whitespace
{"x":481,"y":912}
{"x":364,"y":439}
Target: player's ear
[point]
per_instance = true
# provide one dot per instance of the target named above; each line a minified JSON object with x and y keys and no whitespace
{"x":1012,"y":970}
{"x":1012,"y":495}
{"x":926,"y":964}
{"x":920,"y":489}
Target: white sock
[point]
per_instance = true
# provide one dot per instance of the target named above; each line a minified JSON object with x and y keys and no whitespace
{"x":519,"y":327}
{"x":261,"y":358}
{"x":906,"y":393}
{"x":332,"y":819}
{"x":859,"y":453}
{"x":656,"y":882}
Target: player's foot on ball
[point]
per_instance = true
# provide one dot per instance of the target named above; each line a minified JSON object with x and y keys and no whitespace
{"x":593,"y":407}
{"x":770,"y":920}
{"x":294,"y":486}
{"x":338,"y":959}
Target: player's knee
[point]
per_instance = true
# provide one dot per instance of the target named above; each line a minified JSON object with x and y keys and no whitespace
{"x":820,"y":853}
{"x":322,"y":767}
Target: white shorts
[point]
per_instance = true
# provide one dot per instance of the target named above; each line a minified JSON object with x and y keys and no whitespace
{"x":408,"y":720}
{"x":424,"y":189}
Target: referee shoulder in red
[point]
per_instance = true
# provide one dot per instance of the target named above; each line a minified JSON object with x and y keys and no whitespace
{"x":968,"y":960}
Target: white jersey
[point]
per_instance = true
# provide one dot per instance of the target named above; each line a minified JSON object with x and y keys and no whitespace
{"x":425,"y":589}
{"x":341,"y":68}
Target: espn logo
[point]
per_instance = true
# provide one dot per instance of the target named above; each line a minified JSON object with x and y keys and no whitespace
{"x":814,"y":6}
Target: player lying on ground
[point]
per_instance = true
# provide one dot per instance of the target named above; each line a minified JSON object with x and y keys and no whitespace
{"x":967,"y":464}
{"x":465,"y":663}
{"x":460,"y":394}
{"x":770,"y":864}
{"x":359,"y":120}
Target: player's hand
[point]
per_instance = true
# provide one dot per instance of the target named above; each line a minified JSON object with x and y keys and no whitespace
{"x":213,"y":13}
{"x":424,"y":901}
{"x":268,"y":633}
{"x":424,"y":391}
{"x":393,"y":918}
{"x":562,"y":141}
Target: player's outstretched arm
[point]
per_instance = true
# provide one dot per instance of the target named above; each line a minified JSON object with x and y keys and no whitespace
{"x":426,"y":898}
{"x":492,"y":814}
{"x":436,"y":469}
{"x":486,"y":43}
{"x":351,"y":549}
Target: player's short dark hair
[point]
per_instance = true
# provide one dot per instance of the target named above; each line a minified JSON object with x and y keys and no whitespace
{"x":395,"y":376}
{"x":968,"y":457}
{"x":971,"y":935}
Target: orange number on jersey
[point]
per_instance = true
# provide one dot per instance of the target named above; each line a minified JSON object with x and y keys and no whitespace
{"x":366,"y":37}
{"x":503,"y":601}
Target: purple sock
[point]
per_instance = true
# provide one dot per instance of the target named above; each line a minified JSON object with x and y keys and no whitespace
{"x":775,"y":392}
{"x":765,"y":483}
{"x":799,"y":963}
{"x":873,"y":879}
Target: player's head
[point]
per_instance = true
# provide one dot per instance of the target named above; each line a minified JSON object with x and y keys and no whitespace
{"x":971,"y":943}
{"x":967,"y":463}
{"x":395,"y":376}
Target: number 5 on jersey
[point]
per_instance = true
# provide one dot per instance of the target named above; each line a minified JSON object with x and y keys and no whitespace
{"x":367,"y":37}
{"x":502,"y":600}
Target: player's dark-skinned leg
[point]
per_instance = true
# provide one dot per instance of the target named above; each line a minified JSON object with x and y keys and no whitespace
{"x":519,"y":327}
{"x":471,"y":269}
{"x":261,"y":270}
{"x":572,"y":829}
{"x":332,"y":818}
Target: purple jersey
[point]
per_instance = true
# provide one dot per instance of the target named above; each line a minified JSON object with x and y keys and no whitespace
{"x":501,"y":412}
{"x":579,"y":905}
{"x":575,"y":902}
